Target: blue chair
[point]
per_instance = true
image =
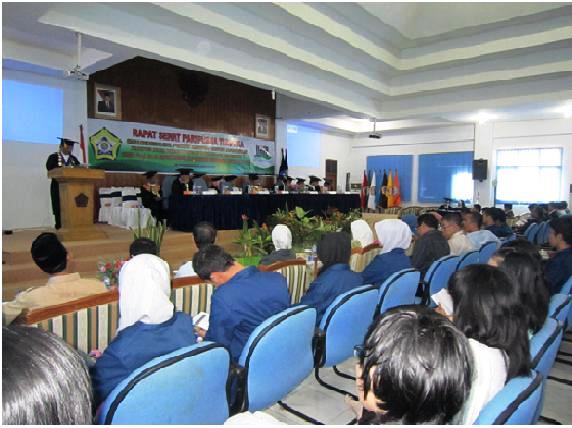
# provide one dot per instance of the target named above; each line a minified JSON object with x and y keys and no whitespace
{"x":544,"y":346}
{"x":518,"y":403}
{"x":541,"y":236}
{"x":411,"y":220}
{"x":343,"y":326}
{"x":468,"y":258}
{"x":559,"y":307}
{"x":567,"y":287}
{"x":399,"y":289}
{"x":187,"y":386}
{"x":487,"y":250}
{"x":276,"y":358}
{"x":437,"y":276}
{"x":531,"y":231}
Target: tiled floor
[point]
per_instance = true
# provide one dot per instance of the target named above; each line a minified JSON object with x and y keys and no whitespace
{"x":329,"y":408}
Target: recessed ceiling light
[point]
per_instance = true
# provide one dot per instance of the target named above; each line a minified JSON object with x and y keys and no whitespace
{"x":566,"y":110}
{"x":483,"y":117}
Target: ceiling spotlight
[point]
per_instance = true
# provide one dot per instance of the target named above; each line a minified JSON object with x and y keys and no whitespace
{"x":374,"y":134}
{"x":566,"y":110}
{"x":484,"y":117}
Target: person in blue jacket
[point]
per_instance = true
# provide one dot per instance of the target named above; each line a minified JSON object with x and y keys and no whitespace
{"x":558,"y":269}
{"x":335,"y":276}
{"x":394,"y":236}
{"x":243,"y":298}
{"x":148,"y":328}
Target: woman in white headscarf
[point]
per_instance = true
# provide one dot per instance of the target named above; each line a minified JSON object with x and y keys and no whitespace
{"x":282,"y":240}
{"x":394,"y":236}
{"x":148,"y":327}
{"x":361,"y":232}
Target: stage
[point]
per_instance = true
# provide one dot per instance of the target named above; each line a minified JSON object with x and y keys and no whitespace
{"x":19,"y":271}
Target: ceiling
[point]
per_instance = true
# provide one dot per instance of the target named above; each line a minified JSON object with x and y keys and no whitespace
{"x":338,"y":65}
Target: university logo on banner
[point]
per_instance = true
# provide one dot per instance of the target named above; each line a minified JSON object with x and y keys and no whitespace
{"x":105,"y":144}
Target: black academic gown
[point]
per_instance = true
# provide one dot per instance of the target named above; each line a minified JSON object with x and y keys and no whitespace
{"x":154,"y":203}
{"x":178,"y":188}
{"x":55,"y":160}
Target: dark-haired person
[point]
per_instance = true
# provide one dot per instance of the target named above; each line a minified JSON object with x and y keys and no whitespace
{"x":529,"y":284}
{"x":142,"y":246}
{"x":204,"y":233}
{"x":62,"y":158}
{"x":394,"y":236}
{"x":508,"y":212}
{"x":335,"y":276}
{"x":243,"y":299}
{"x":151,"y":195}
{"x":62,"y":286}
{"x":430,"y":244}
{"x":494,"y":219}
{"x":183,"y":184}
{"x":558,"y":269}
{"x":251,"y":181}
{"x":488,"y":311}
{"x":148,"y":326}
{"x":44,"y":381}
{"x":472,"y":223}
{"x":537,"y":215}
{"x":415,"y":368}
{"x":524,"y":246}
{"x":452,"y":230}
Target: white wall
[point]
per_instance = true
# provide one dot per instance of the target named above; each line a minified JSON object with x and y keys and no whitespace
{"x":25,"y":186}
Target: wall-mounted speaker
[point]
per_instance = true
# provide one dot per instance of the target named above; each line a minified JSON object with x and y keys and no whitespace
{"x":480,"y":169}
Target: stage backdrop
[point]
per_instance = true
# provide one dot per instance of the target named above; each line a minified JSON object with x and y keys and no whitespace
{"x":129,"y":146}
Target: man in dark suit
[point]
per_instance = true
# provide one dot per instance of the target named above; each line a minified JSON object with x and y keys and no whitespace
{"x":106,"y":105}
{"x":61,"y":158}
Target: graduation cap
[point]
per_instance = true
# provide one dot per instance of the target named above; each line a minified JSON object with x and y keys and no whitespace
{"x":150,"y":174}
{"x":288,"y":178}
{"x":216,"y":177}
{"x":314,"y":179}
{"x":300,"y":180}
{"x":184,"y":171}
{"x":253,"y":176}
{"x":327,"y":182}
{"x":67,"y":141}
{"x":229,"y":177}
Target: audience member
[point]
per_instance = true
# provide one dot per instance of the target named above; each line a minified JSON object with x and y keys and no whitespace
{"x":243,"y":299}
{"x":335,"y":276}
{"x":282,"y":240}
{"x":536,"y":216}
{"x":361,"y":232}
{"x":476,"y":208}
{"x":62,"y":286}
{"x":142,"y":246}
{"x":558,"y":269}
{"x":451,"y":228}
{"x":563,"y":208}
{"x":395,"y":237}
{"x":524,"y":246}
{"x":529,"y":284}
{"x":487,"y":310}
{"x":553,"y":210}
{"x":508,"y":212}
{"x":148,"y":327}
{"x":415,"y":368}
{"x":430,"y":244}
{"x":204,"y":233}
{"x":472,"y":223}
{"x":494,"y":219}
{"x":44,"y":381}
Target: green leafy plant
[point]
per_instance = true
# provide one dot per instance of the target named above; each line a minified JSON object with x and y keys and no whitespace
{"x":153,"y":230}
{"x":256,"y":241}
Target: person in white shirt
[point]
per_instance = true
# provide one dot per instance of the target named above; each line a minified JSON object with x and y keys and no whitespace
{"x":472,"y":223}
{"x":204,"y":233}
{"x":457,"y":239}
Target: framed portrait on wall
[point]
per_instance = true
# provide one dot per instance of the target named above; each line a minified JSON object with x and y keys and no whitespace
{"x":107,"y":101}
{"x":262,"y":126}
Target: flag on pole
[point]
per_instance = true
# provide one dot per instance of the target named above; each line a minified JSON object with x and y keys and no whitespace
{"x":364,"y":190}
{"x":82,"y":144}
{"x":283,"y":171}
{"x":378,"y":188}
{"x":396,"y":191}
{"x":384,"y":190}
{"x":371,"y":198}
{"x":390,"y":203}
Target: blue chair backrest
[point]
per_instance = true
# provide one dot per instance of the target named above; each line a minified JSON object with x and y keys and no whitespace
{"x":516,"y":404}
{"x":559,"y":307}
{"x":468,"y":258}
{"x":567,"y":287}
{"x":278,"y":356}
{"x":542,"y":233}
{"x":544,"y":346}
{"x":187,"y":386}
{"x":399,"y":289}
{"x":531,"y":232}
{"x":345,"y":323}
{"x":411,"y":220}
{"x":438,"y":274}
{"x":487,"y":250}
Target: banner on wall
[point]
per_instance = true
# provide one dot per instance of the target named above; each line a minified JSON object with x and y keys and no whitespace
{"x":130,"y":146}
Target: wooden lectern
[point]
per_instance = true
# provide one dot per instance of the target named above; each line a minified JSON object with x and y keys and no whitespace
{"x":77,"y":202}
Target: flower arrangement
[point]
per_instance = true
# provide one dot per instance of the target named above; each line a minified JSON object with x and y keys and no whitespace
{"x":108,"y":272}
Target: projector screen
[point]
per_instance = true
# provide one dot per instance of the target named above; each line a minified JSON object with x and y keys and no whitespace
{"x":303,"y":146}
{"x":32,"y":113}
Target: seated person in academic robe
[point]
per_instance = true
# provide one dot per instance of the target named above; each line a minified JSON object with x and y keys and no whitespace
{"x":335,"y":276}
{"x":451,"y":228}
{"x":315,"y":183}
{"x":244,"y":297}
{"x":199,"y":183}
{"x":472,"y":223}
{"x":300,"y":186}
{"x":494,"y":220}
{"x":282,"y":240}
{"x":226,"y":184}
{"x":204,"y":234}
{"x":361,"y":232}
{"x":290,"y":185}
{"x":151,"y":195}
{"x":394,"y":236}
{"x":558,"y":269}
{"x":327,"y":186}
{"x":215,"y":183}
{"x":148,"y":326}
{"x":183,"y":182}
{"x":247,"y":185}
{"x":62,"y":286}
{"x":430,"y":244}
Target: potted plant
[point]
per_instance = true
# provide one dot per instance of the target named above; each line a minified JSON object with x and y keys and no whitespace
{"x":153,"y":230}
{"x":256,"y":242}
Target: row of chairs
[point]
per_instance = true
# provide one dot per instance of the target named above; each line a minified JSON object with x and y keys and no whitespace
{"x":122,"y":207}
{"x":537,"y":233}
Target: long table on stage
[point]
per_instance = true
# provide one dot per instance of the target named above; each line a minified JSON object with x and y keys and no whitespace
{"x":225,"y":211}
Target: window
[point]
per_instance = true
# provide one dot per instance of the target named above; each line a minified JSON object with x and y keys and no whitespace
{"x":404,"y":166}
{"x":528,"y":175}
{"x":445,"y":175}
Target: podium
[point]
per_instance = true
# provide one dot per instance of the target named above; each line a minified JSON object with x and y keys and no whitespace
{"x":77,"y":202}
